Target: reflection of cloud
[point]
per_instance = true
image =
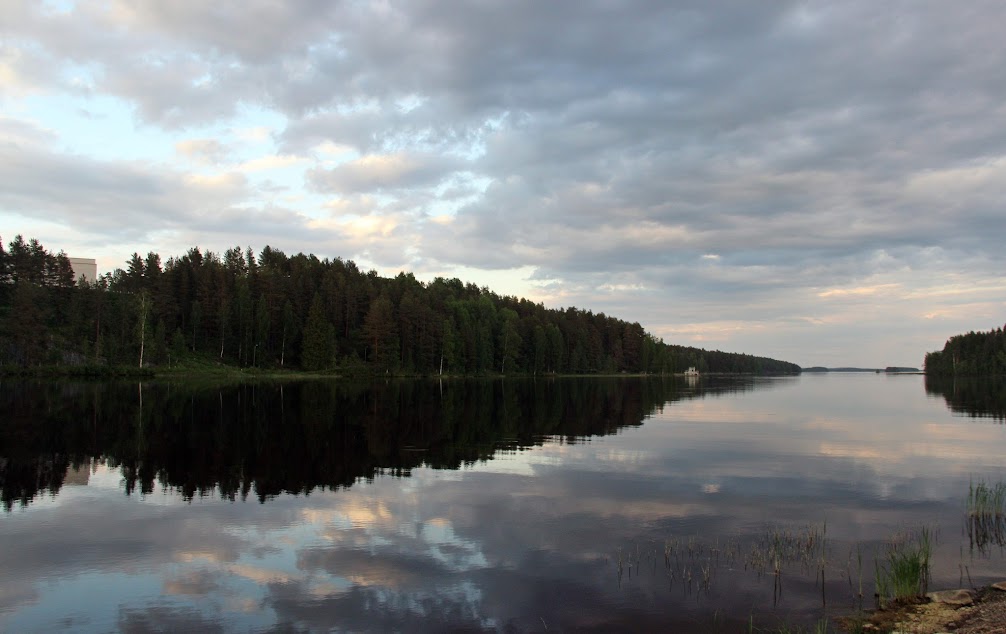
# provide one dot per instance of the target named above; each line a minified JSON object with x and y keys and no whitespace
{"x":489,"y":549}
{"x":193,"y":582}
{"x":257,"y":574}
{"x":191,"y":556}
{"x":367,"y":515}
{"x":857,"y":451}
{"x":243,"y":606}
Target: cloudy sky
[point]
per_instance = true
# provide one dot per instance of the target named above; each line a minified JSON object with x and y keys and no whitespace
{"x":814,"y":181}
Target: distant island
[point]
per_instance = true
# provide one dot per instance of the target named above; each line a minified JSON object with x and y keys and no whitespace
{"x":889,"y":369}
{"x":971,"y":354}
{"x":279,"y":313}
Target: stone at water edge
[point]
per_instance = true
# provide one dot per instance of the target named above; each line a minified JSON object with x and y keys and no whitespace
{"x":999,"y":585}
{"x":953,"y":597}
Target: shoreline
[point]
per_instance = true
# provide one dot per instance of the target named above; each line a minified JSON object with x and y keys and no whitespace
{"x":962,"y":611}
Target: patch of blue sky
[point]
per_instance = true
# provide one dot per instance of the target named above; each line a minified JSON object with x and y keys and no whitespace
{"x":58,"y":6}
{"x":106,"y":128}
{"x":253,"y":128}
{"x":478,"y":148}
{"x":409,"y":103}
{"x":79,"y":78}
{"x":99,"y":127}
{"x":280,"y":180}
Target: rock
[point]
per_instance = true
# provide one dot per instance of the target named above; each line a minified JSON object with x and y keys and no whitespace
{"x":1000,"y":585}
{"x":953,"y":597}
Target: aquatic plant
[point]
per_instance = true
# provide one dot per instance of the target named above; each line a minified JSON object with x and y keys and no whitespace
{"x":905,"y":571}
{"x":779,"y":549}
{"x":985,"y":517}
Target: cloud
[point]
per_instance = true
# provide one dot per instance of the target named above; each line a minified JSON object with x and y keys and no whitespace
{"x":600,"y":143}
{"x":378,"y":173}
{"x":210,"y":151}
{"x":124,"y":201}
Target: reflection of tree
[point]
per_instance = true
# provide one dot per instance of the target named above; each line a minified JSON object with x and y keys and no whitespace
{"x":975,"y":397}
{"x":266,"y":440}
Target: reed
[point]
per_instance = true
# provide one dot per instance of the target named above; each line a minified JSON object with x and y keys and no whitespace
{"x":903,"y":574}
{"x":985,"y":515}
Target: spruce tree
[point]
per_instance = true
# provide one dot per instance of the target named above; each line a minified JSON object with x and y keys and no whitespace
{"x":318,"y":342}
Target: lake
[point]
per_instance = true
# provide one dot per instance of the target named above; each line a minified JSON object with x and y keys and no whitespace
{"x":659,"y":504}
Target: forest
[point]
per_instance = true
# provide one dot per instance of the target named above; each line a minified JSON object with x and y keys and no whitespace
{"x":971,"y":354}
{"x":275,"y":311}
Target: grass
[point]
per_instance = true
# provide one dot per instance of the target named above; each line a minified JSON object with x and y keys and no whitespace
{"x":903,"y":573}
{"x":778,"y":548}
{"x":985,"y":517}
{"x":76,"y":371}
{"x":902,"y":569}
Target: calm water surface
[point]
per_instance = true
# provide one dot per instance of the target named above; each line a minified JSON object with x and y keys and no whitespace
{"x":516,"y":505}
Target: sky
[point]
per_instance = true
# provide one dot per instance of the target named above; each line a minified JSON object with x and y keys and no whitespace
{"x":817,"y":182}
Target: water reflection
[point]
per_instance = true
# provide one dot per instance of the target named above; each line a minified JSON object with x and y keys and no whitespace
{"x":971,"y":396}
{"x":521,"y":500}
{"x":266,"y":440}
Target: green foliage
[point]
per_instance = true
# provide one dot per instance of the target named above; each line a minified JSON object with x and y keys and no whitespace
{"x":971,"y":354}
{"x":318,"y":352}
{"x":178,"y":347}
{"x":243,"y":310}
{"x":382,"y":335}
{"x":904,"y":573}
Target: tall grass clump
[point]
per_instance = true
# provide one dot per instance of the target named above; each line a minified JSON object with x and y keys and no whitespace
{"x":985,"y":517}
{"x":903,"y":573}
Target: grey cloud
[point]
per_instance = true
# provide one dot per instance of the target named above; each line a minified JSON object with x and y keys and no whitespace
{"x":105,"y":196}
{"x":621,"y":140}
{"x":131,"y":201}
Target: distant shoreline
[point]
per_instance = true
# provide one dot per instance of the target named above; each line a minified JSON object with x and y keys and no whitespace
{"x":887,"y":370}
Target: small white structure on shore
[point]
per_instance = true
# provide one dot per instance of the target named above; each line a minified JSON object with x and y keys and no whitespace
{"x":691,"y":371}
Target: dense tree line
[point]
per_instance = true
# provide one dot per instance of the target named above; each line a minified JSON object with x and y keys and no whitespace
{"x":971,"y":354}
{"x":275,"y":310}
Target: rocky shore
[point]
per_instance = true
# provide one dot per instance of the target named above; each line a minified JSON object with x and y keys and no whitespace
{"x":950,"y":611}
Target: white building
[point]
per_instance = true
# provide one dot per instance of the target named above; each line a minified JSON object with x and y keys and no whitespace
{"x":84,"y":268}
